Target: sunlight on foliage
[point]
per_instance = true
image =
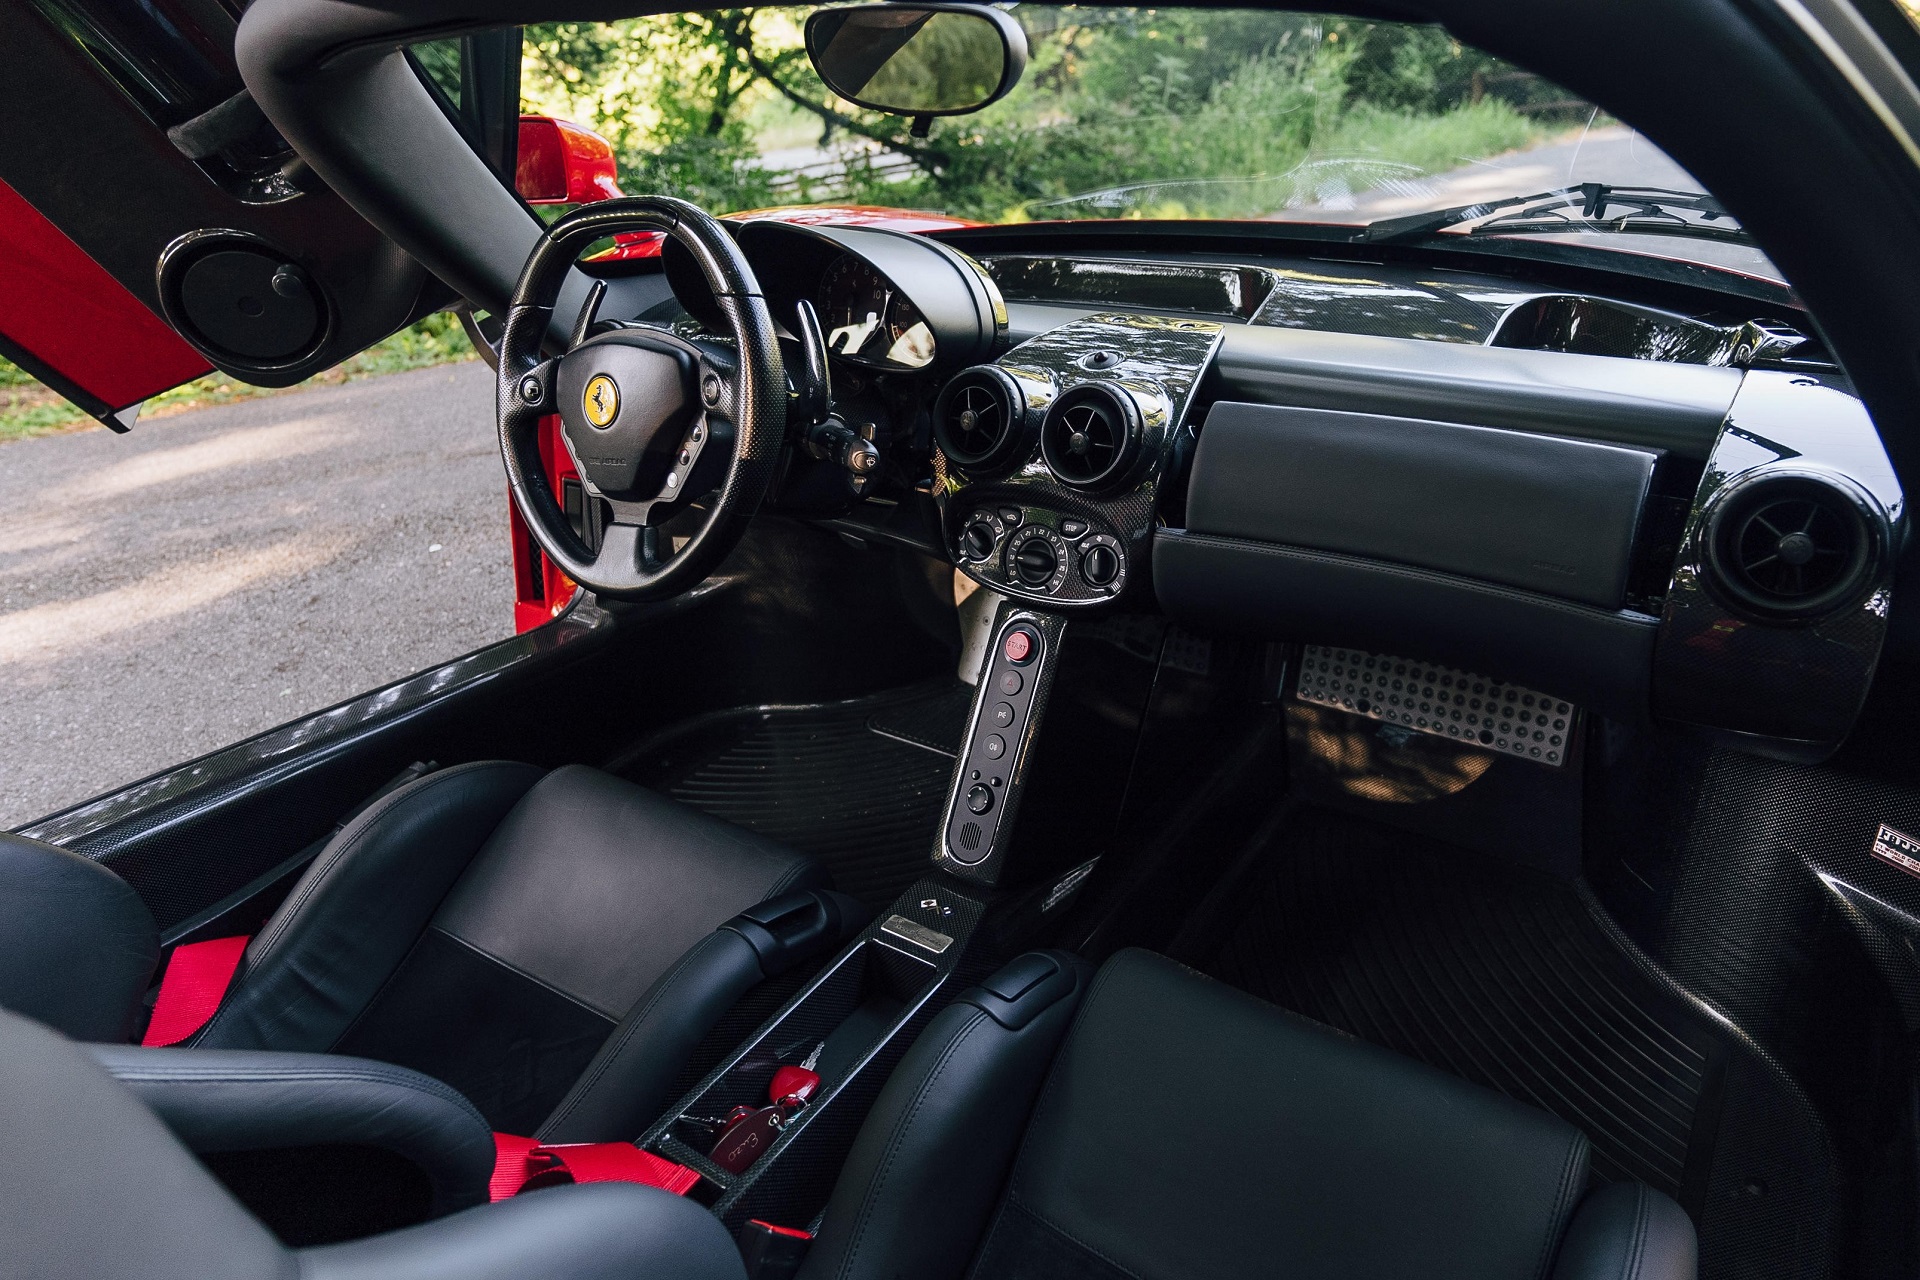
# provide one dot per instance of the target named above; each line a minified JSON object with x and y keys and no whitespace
{"x":1122,"y":113}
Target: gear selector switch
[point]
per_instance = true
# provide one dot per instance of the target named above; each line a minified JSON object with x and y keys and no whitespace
{"x":1006,"y":710}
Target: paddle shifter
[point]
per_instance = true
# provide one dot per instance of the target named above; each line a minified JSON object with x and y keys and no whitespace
{"x":826,"y":437}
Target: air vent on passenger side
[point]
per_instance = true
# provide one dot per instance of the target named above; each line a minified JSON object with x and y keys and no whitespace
{"x":1089,"y":435}
{"x":1793,"y":545}
{"x":980,"y":418}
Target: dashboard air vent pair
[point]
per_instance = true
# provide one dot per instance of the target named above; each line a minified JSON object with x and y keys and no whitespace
{"x":1793,"y":546}
{"x":1088,"y":437}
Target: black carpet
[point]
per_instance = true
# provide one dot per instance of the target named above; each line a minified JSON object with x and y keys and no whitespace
{"x":858,"y":784}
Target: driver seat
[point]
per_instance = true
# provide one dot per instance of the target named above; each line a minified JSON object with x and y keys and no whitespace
{"x":548,"y":943}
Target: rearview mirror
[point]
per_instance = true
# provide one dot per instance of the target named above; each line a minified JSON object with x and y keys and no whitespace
{"x":919,"y":60}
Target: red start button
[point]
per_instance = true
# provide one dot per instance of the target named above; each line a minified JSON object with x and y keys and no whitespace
{"x":1018,"y":646}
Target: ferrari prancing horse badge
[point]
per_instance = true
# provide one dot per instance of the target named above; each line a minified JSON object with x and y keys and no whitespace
{"x":601,"y":400}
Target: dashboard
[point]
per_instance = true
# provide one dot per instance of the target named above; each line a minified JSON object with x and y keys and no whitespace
{"x":1646,"y":501}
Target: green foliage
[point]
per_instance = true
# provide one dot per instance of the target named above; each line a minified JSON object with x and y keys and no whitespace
{"x":1185,"y":113}
{"x":1122,"y":113}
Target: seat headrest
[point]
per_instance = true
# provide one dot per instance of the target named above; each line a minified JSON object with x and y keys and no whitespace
{"x":77,"y":946}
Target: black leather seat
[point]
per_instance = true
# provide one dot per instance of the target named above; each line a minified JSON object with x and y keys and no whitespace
{"x":549,"y":944}
{"x":99,"y":1188}
{"x":1141,"y":1122}
{"x":1185,"y":1129}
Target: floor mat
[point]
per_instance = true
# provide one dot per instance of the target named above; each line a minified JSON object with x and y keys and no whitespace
{"x":1503,"y":977}
{"x":858,"y":784}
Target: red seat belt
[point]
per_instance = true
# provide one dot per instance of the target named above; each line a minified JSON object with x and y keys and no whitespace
{"x":520,"y":1163}
{"x":198,"y":975}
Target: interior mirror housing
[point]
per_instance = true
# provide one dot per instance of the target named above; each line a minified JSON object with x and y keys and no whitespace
{"x":560,"y":162}
{"x":917,"y":60}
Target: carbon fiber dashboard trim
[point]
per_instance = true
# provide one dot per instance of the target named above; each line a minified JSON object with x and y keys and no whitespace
{"x":1783,"y":688}
{"x":1154,"y":360}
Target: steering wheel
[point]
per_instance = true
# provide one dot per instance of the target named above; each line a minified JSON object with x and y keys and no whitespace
{"x":652,"y":419}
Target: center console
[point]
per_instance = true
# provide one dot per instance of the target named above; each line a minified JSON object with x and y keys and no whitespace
{"x":1047,"y":479}
{"x":756,"y":1146}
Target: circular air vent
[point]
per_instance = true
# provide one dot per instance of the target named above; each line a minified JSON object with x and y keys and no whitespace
{"x":1089,"y":435}
{"x":979,"y":418}
{"x":1793,"y":546}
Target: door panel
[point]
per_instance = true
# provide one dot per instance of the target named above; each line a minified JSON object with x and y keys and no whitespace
{"x":73,"y":326}
{"x":128,"y":129}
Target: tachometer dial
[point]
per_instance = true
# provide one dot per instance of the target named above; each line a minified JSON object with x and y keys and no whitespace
{"x":853,"y":302}
{"x":909,"y":340}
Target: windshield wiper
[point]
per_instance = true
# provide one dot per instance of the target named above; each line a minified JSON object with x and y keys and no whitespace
{"x":1651,"y":211}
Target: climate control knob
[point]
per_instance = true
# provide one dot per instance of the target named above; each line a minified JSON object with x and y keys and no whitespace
{"x":1035,"y":563}
{"x":1100,"y":566}
{"x":976,"y":540}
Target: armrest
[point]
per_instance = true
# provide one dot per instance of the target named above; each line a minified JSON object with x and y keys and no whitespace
{"x":624,"y":1088}
{"x":218,"y":1100}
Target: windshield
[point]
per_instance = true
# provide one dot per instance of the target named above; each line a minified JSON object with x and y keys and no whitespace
{"x":1130,"y":113}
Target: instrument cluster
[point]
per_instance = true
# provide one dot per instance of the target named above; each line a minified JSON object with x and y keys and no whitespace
{"x":869,"y":321}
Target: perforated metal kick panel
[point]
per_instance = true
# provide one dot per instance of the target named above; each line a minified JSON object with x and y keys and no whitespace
{"x":1439,"y":700}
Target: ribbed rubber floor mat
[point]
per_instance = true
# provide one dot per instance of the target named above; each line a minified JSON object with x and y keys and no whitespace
{"x":857,"y":784}
{"x":1500,"y":976}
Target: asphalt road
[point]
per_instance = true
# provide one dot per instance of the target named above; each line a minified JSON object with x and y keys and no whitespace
{"x":208,"y":576}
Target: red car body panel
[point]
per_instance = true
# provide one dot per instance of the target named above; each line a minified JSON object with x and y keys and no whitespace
{"x":75,"y":326}
{"x":559,"y":162}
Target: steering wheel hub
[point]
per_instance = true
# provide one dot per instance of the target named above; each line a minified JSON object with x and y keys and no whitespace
{"x":628,"y":402}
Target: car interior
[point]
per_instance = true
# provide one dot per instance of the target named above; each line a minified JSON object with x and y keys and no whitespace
{"x":1112,"y":748}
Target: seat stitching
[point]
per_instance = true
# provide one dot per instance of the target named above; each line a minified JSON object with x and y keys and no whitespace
{"x":793,"y":873}
{"x":311,"y":882}
{"x":441,"y":1093}
{"x":160,"y":1075}
{"x":633,"y":1022}
{"x":897,"y":1139}
{"x":1642,"y":1220}
{"x":1049,"y":1224}
{"x":1562,"y":1199}
{"x":535,"y":978}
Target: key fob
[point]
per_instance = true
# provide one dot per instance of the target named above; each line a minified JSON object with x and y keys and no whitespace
{"x":793,"y":1082}
{"x":747,"y":1138}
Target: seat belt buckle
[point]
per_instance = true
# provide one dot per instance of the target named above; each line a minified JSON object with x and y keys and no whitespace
{"x":773,"y":1252}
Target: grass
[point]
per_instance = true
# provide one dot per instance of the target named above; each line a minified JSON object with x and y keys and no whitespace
{"x":28,"y":409}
